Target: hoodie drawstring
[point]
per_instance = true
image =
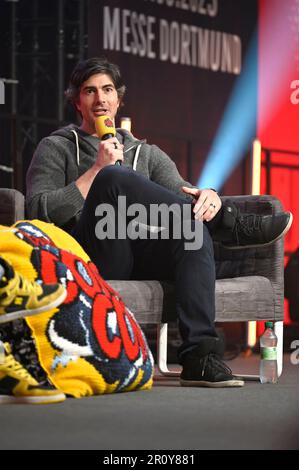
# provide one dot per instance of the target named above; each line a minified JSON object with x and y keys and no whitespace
{"x":136,"y":156}
{"x":77,"y":146}
{"x":135,"y":161}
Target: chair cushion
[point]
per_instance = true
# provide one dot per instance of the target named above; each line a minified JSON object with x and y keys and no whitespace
{"x":245,"y":298}
{"x":238,"y":299}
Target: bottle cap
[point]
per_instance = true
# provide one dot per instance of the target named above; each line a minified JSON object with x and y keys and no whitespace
{"x":269,"y":324}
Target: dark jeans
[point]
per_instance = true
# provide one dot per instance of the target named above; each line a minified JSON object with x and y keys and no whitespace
{"x":193,"y":271}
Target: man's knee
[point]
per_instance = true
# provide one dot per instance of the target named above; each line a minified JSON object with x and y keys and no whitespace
{"x":109,"y":174}
{"x":114,"y":176}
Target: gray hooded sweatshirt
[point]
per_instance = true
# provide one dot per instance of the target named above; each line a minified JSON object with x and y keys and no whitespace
{"x":67,"y":153}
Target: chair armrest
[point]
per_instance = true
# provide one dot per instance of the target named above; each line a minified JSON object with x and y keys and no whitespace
{"x":267,"y":261}
{"x":12,"y":204}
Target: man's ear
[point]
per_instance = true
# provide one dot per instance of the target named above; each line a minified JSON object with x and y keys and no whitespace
{"x":77,"y":105}
{"x":119,"y":104}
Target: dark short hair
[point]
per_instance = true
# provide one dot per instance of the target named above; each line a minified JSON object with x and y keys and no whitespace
{"x":86,"y":68}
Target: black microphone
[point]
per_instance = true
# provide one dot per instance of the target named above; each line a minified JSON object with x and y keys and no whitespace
{"x":105,"y":130}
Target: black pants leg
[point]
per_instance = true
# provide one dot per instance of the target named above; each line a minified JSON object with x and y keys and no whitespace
{"x":193,"y":271}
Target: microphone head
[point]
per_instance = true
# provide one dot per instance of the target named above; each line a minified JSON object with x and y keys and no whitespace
{"x":105,"y":127}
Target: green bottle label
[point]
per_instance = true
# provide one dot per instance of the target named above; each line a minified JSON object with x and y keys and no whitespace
{"x":269,"y":354}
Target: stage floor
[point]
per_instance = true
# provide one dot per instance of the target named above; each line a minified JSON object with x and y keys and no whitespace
{"x":167,"y":417}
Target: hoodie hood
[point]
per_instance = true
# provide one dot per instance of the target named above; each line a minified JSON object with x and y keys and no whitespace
{"x":74,"y":134}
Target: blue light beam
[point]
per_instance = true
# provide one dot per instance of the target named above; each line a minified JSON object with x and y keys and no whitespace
{"x":237,"y":128}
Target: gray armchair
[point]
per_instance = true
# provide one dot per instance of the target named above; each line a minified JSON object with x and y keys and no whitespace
{"x":249,"y":286}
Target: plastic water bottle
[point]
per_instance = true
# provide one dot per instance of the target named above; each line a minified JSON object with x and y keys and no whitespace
{"x":268,"y":364}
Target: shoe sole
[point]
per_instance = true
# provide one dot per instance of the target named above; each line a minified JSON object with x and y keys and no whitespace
{"x":28,"y":313}
{"x":27,"y":400}
{"x":202,"y":383}
{"x":258,"y":245}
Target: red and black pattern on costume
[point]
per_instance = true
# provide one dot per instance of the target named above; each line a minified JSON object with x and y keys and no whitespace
{"x":93,"y":322}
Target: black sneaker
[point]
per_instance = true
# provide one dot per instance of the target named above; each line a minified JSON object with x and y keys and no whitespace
{"x":207,"y":370}
{"x":251,"y":230}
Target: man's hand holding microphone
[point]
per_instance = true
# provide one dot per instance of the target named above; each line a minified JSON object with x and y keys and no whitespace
{"x":110,"y":150}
